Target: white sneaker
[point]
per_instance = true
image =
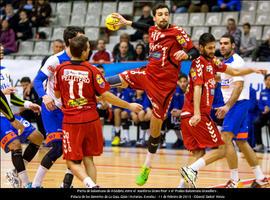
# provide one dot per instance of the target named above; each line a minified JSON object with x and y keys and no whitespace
{"x":189,"y":175}
{"x":13,"y":178}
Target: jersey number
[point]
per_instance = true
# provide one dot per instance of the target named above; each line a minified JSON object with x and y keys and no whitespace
{"x":71,"y":89}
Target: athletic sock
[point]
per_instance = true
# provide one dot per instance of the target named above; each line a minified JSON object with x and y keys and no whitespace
{"x":181,"y":184}
{"x":24,"y":178}
{"x":149,"y":157}
{"x":198,"y":164}
{"x":88,"y":182}
{"x":258,"y":172}
{"x":234,"y":175}
{"x":39,"y":176}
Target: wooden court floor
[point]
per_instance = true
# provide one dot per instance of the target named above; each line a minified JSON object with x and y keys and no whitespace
{"x":118,"y":167}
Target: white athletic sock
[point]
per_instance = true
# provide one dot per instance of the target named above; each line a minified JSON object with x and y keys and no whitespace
{"x":148,"y":159}
{"x":88,"y":182}
{"x":234,"y":175}
{"x":41,"y":172}
{"x":126,"y":134}
{"x":142,"y":134}
{"x":258,"y":172}
{"x":117,"y":128}
{"x":181,"y":184}
{"x":24,"y":178}
{"x":198,"y":164}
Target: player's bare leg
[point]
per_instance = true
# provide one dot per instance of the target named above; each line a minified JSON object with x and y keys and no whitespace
{"x":90,"y":168}
{"x":81,"y":174}
{"x":190,"y":173}
{"x":232,"y":159}
{"x":125,"y":125}
{"x":153,"y":143}
{"x":261,"y":180}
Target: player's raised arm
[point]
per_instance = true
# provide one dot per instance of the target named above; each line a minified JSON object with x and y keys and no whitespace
{"x":124,"y":22}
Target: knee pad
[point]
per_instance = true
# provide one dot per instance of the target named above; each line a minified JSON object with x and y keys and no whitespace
{"x":153,"y":144}
{"x":126,"y":123}
{"x":145,"y":125}
{"x":30,"y":152}
{"x":114,"y":81}
{"x":17,"y":160}
{"x":52,"y":155}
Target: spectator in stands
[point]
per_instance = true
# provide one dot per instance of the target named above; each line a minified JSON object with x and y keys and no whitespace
{"x":227,"y":5}
{"x":11,"y":16}
{"x":140,"y":52}
{"x":123,"y":38}
{"x":101,"y":55}
{"x":146,"y":18}
{"x":198,"y":6}
{"x":248,"y":42}
{"x":146,"y":43}
{"x":8,"y":38}
{"x":235,"y":32}
{"x":24,"y":28}
{"x":264,"y":116}
{"x":262,"y":52}
{"x":123,"y":54}
{"x":29,"y":8}
{"x":30,"y":94}
{"x":58,"y":45}
{"x":42,"y":14}
{"x":180,"y":6}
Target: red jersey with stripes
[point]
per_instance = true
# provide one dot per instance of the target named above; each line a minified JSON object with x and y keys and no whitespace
{"x":79,"y":83}
{"x":203,"y":73}
{"x":163,"y":44}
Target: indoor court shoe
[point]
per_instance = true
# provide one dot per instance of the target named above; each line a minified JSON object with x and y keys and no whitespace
{"x":116,"y":141}
{"x":231,"y":184}
{"x":261,"y":183}
{"x":143,"y":176}
{"x":29,"y":185}
{"x":13,"y":178}
{"x":189,"y":175}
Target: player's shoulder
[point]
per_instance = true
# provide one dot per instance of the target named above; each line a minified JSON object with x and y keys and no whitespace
{"x":235,"y":60}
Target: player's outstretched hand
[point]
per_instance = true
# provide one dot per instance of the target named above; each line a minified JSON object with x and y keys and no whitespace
{"x":35,"y":107}
{"x":122,"y":20}
{"x":180,"y":55}
{"x":18,"y":125}
{"x":49,"y":102}
{"x":135,"y":107}
{"x":9,"y":90}
{"x":260,"y":71}
{"x":222,"y":111}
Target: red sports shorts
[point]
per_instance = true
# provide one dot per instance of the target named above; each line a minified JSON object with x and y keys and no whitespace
{"x":159,"y":97}
{"x":204,"y":135}
{"x":82,"y":140}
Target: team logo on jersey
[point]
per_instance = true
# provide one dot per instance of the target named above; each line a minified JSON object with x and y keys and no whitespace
{"x":155,"y":55}
{"x":209,"y":68}
{"x":217,"y":62}
{"x":100,"y":81}
{"x":51,"y":69}
{"x":193,"y":74}
{"x":181,"y":40}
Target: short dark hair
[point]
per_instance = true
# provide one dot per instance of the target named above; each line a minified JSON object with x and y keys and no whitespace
{"x":59,"y":40}
{"x":71,"y":32}
{"x":78,"y":45}
{"x":99,"y":66}
{"x":247,"y":24}
{"x":159,"y":6}
{"x":206,"y":38}
{"x":182,"y":76}
{"x":25,"y":79}
{"x":231,"y":19}
{"x":266,"y":76}
{"x":227,"y":35}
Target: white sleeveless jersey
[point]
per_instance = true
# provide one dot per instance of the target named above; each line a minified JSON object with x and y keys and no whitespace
{"x":235,"y":61}
{"x":48,"y":68}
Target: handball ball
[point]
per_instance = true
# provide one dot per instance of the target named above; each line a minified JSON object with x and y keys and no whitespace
{"x":110,"y":23}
